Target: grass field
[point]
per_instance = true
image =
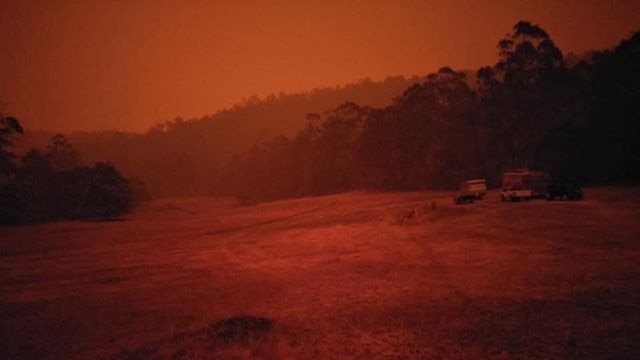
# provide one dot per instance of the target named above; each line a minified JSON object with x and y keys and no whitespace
{"x":349,"y":276}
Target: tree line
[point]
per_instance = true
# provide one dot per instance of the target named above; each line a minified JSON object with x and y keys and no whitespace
{"x":183,"y":157}
{"x":580,"y":122}
{"x":54,"y":184}
{"x":577,"y":118}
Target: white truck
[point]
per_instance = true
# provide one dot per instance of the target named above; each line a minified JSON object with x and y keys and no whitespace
{"x":524,"y":184}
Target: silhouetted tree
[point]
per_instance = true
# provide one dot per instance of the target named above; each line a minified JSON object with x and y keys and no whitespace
{"x":8,"y":127}
{"x":37,"y":191}
{"x":612,"y":111}
{"x":335,"y":166}
{"x":62,"y":156}
{"x":106,"y":193}
{"x":11,"y":198}
{"x":528,"y":110}
{"x":426,"y":139}
{"x":523,"y":94}
{"x":27,"y":196}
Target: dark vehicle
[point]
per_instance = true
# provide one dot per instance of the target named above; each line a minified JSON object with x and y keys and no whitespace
{"x":564,"y":191}
{"x":464,"y":199}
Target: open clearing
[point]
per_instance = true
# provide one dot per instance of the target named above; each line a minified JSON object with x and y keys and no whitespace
{"x":349,"y":276}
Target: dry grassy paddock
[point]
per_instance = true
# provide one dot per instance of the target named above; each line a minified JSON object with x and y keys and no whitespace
{"x":349,"y":276}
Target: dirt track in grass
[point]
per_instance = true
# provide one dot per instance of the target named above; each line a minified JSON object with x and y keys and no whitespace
{"x":348,"y":276}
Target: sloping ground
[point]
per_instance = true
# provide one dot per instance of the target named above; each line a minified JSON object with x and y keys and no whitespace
{"x":350,"y":276}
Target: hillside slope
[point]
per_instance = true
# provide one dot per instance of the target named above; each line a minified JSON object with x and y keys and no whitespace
{"x":183,"y":156}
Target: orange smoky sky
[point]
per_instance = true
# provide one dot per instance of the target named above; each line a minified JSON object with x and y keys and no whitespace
{"x":68,"y":65}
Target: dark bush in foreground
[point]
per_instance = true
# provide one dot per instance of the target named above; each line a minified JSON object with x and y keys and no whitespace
{"x":39,"y":195}
{"x":106,"y":193}
{"x":41,"y":189}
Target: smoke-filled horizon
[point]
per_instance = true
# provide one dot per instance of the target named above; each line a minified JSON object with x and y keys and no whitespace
{"x":128,"y":65}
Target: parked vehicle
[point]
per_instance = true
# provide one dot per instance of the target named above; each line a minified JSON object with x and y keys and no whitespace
{"x":524,"y":184}
{"x":476,"y":188}
{"x":516,"y":193}
{"x":464,"y":199}
{"x":470,"y":191}
{"x":564,"y":191}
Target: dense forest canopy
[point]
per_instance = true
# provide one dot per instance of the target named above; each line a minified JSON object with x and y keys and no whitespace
{"x":577,"y":118}
{"x":184,"y":156}
{"x":54,"y":184}
{"x":581,"y":123}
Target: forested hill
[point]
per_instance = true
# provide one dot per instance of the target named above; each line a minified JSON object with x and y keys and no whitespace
{"x":578,"y":119}
{"x":180,"y":157}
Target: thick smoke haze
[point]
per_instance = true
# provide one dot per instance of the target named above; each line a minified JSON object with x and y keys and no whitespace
{"x":311,"y":180}
{"x":90,"y":65}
